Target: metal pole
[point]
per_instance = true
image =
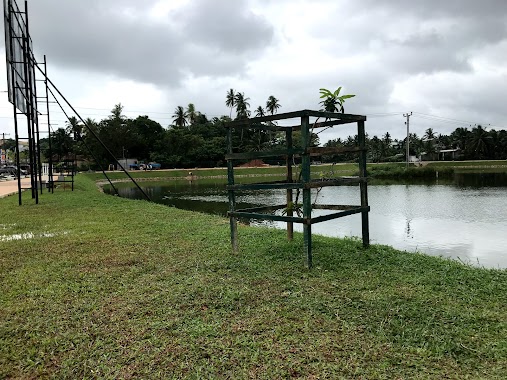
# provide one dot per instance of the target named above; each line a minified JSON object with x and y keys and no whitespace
{"x":407,"y":115}
{"x":290,"y":202}
{"x":14,"y":102}
{"x":363,"y":186}
{"x":232,"y":198}
{"x":50,"y":158}
{"x":307,"y":201}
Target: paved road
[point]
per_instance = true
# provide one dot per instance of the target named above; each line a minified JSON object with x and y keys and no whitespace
{"x":10,"y":187}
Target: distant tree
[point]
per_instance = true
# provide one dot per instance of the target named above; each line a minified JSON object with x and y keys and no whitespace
{"x":191,"y":114}
{"x":242,"y":105}
{"x":9,"y":144}
{"x":333,"y":101}
{"x":259,"y":112}
{"x":429,"y":134}
{"x":230,"y":100}
{"x":62,"y":143}
{"x":459,"y":138}
{"x":179,"y":117}
{"x":480,"y":142}
{"x":74,"y":128}
{"x":117,"y":112}
{"x":272,"y":105}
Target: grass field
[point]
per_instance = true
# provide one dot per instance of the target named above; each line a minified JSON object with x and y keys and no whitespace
{"x":95,"y":286}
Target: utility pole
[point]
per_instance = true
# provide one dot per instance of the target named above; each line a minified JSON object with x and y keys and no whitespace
{"x":407,"y":115}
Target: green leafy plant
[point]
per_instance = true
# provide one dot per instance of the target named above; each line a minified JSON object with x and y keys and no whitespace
{"x":333,"y":101}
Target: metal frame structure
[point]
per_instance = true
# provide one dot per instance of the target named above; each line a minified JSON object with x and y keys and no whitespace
{"x":22,"y":91}
{"x":304,"y":183}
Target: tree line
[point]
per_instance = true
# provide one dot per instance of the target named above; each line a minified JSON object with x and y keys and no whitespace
{"x":193,"y":140}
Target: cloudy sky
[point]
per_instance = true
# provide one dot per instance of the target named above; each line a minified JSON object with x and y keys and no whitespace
{"x":443,"y":60}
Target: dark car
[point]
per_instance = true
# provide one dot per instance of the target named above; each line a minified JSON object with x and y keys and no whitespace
{"x":11,"y":169}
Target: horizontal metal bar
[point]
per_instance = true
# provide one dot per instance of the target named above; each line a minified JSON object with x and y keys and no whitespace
{"x":258,"y":120}
{"x":334,"y":207}
{"x":265,"y":186}
{"x":336,"y":215}
{"x":334,"y":182}
{"x":333,"y":115}
{"x":318,"y":151}
{"x":289,"y":115}
{"x":262,"y":154}
{"x":278,"y":218}
{"x":262,"y":208}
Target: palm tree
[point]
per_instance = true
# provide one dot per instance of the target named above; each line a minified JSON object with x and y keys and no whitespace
{"x":429,"y":134}
{"x":242,"y":111}
{"x":74,"y":128}
{"x":191,"y":114}
{"x":179,"y":117}
{"x":230,"y":100}
{"x":259,"y":112}
{"x":460,"y":137}
{"x":333,"y":102}
{"x":272,"y":105}
{"x":480,"y":142}
{"x":387,"y":139}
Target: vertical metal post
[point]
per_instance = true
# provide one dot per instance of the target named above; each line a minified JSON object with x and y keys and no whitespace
{"x":30,"y":109}
{"x":363,"y":186}
{"x":307,"y":201}
{"x":14,"y":105}
{"x":36,"y":130}
{"x":290,"y":202}
{"x":232,"y":197}
{"x":50,"y":158}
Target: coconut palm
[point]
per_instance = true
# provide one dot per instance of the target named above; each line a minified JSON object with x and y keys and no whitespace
{"x":259,"y":112}
{"x":272,"y":105}
{"x":429,"y":134}
{"x":74,"y":127}
{"x":191,"y":114}
{"x":230,"y":100}
{"x":179,"y":117}
{"x":480,"y":142}
{"x":242,"y":105}
{"x":460,"y":137}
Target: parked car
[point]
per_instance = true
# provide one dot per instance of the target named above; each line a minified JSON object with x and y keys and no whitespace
{"x":12,"y":169}
{"x":154,"y":166}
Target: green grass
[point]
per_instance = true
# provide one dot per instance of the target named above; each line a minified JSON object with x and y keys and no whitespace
{"x":381,"y":170}
{"x":129,"y":289}
{"x":501,"y":164}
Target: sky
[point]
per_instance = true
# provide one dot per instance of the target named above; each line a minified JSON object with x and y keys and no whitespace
{"x":445,"y":61}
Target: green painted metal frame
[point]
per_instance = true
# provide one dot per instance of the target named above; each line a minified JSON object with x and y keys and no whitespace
{"x":304,"y":183}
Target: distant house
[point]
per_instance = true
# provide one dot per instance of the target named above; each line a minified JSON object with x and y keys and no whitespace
{"x":449,"y":154}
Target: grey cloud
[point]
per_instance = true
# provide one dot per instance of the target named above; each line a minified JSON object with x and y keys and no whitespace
{"x":227,"y":24}
{"x":207,"y":38}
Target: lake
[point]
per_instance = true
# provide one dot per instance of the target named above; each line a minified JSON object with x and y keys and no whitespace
{"x":464,"y":218}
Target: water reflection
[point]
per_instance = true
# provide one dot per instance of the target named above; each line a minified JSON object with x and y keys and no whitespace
{"x":464,"y":219}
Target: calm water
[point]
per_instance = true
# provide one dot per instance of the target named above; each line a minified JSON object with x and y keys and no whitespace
{"x":465,"y":218}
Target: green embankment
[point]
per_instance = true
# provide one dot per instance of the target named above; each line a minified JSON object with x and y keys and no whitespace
{"x":381,"y":170}
{"x":95,"y":286}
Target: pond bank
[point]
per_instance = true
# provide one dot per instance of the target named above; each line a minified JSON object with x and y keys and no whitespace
{"x":134,"y":289}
